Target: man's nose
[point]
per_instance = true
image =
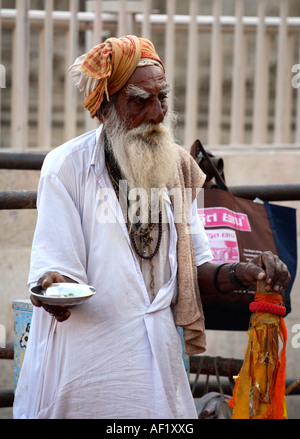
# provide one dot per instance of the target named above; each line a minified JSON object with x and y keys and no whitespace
{"x":156,"y":112}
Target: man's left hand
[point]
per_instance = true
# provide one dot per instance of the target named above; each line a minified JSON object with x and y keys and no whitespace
{"x":268,"y":267}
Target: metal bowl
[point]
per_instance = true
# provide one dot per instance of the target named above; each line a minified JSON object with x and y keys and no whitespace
{"x":63,"y":294}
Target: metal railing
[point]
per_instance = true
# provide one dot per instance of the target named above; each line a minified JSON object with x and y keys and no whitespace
{"x":10,"y":200}
{"x":26,"y":199}
{"x":270,"y":43}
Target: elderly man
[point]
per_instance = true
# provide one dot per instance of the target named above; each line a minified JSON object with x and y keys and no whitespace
{"x":119,"y":354}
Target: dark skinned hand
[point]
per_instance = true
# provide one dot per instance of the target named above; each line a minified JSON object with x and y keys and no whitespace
{"x":60,"y":313}
{"x":267,"y":267}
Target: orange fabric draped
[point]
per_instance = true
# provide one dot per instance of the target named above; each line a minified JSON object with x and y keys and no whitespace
{"x":112,"y":63}
{"x":259,"y":391}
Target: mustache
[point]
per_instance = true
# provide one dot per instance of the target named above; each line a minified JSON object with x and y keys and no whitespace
{"x":145,"y":131}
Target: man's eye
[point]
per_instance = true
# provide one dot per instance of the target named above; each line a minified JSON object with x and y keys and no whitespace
{"x":163,"y":97}
{"x":139,"y":101}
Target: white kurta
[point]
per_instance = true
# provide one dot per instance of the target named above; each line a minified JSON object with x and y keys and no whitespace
{"x":119,"y":355}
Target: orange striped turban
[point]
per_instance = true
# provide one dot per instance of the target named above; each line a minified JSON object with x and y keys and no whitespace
{"x":107,"y":67}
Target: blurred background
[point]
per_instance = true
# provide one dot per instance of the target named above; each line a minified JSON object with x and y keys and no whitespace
{"x":234,"y":66}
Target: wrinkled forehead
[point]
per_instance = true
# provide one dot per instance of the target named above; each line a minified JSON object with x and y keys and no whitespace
{"x":149,"y":78}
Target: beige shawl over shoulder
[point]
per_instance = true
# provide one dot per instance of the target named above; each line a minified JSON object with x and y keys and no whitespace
{"x":189,"y":311}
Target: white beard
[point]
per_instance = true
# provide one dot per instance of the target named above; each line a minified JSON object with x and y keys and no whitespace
{"x":147,"y":159}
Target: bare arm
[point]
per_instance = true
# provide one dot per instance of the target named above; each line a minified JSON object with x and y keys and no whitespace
{"x":267,"y":267}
